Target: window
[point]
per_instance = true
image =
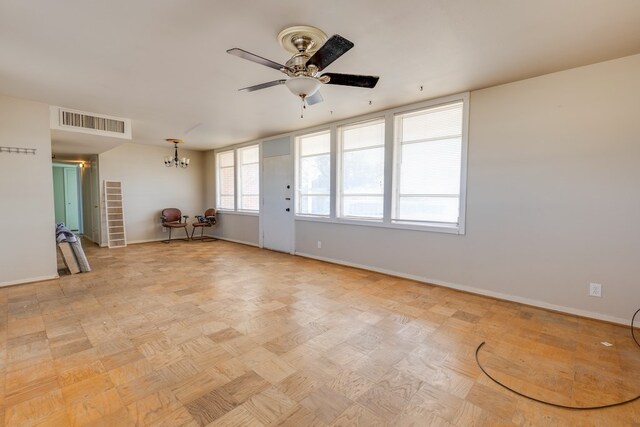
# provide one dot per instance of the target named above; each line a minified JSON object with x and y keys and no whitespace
{"x":249,"y":178}
{"x":428,"y":153}
{"x":313,"y":174}
{"x":361,"y":181}
{"x":226,"y":180}
{"x":247,"y":198}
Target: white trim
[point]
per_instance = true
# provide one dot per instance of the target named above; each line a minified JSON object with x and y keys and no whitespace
{"x":397,"y":159}
{"x":339,"y":166}
{"x":160,"y":239}
{"x":297,"y":153}
{"x":462,"y":213}
{"x":238,"y":179}
{"x":293,"y":194}
{"x":28,"y":280}
{"x":473,"y":290}
{"x":244,"y":213}
{"x":432,"y":227}
{"x":242,"y":242}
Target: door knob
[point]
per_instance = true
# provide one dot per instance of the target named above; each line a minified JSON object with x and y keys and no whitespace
{"x":287,"y":198}
{"x":287,"y":209}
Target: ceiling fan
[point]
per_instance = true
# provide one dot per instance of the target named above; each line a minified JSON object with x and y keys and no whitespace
{"x":312,"y":53}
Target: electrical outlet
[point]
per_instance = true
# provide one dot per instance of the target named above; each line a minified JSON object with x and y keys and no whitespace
{"x":595,"y":289}
{"x":319,"y":244}
{"x":164,"y":229}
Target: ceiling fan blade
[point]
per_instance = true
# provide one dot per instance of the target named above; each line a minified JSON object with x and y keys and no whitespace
{"x":352,"y":80}
{"x":333,"y":49}
{"x":264,"y":85}
{"x":240,"y":53}
{"x":316,"y":98}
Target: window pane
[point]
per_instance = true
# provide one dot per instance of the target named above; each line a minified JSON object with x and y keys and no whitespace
{"x":315,"y":174}
{"x":434,"y":123}
{"x":360,"y":136}
{"x":437,"y":209}
{"x":250,"y":203}
{"x":315,"y":144}
{"x":227,"y":181}
{"x":362,"y":163}
{"x":250,"y":179}
{"x":226,"y":202}
{"x":249,"y":155}
{"x":363,"y":171}
{"x":225,"y":159}
{"x":313,"y":205}
{"x":249,"y":185}
{"x":431,"y":167}
{"x":362,"y":206}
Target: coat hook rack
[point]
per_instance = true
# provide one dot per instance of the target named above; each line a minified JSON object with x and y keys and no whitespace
{"x":17,"y":150}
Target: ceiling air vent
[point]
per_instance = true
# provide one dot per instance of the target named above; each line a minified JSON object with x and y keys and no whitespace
{"x":91,"y":123}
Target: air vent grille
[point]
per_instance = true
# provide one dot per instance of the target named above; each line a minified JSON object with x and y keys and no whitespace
{"x":91,"y":122}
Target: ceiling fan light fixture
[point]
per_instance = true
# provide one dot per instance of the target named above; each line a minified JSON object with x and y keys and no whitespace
{"x":303,"y":86}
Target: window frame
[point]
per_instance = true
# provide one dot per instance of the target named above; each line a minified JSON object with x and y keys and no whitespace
{"x":297,"y":174}
{"x":219,"y":194}
{"x":389,"y":116}
{"x":239,"y":193}
{"x":340,"y":151}
{"x":237,"y":179}
{"x":397,"y":158}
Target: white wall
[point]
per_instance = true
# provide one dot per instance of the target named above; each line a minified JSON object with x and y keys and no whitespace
{"x":149,"y":186}
{"x":552,"y":199}
{"x":27,"y":223}
{"x":237,"y":228}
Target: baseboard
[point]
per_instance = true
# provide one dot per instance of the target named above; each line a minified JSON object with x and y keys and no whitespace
{"x":29,"y":280}
{"x":242,"y":242}
{"x":177,"y":239}
{"x":477,"y":291}
{"x":160,"y":239}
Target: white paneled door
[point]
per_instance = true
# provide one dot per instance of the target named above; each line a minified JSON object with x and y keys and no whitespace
{"x":277,"y":197}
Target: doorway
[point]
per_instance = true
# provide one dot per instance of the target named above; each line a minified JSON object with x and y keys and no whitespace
{"x":67,"y":196}
{"x":76,"y":194}
{"x":277,"y":194}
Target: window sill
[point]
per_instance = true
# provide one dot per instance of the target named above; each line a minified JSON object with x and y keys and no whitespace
{"x":244,"y":213}
{"x":430,"y":227}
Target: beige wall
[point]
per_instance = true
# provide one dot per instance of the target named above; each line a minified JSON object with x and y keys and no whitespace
{"x":27,"y":224}
{"x":552,"y":199}
{"x":149,"y":186}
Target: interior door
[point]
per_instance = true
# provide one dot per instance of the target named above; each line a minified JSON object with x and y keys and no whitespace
{"x":71,"y":202}
{"x":277,"y":191}
{"x":95,"y":203}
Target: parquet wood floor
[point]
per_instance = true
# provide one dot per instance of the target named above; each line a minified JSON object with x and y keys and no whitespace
{"x":220,"y":334}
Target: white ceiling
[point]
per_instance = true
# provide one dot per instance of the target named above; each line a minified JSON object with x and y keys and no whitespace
{"x":163,"y":63}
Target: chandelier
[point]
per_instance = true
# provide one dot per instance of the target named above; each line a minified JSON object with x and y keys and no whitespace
{"x":175,"y":160}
